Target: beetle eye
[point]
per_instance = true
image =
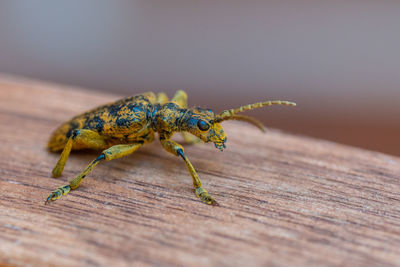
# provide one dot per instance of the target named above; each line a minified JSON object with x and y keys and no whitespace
{"x":203,"y":125}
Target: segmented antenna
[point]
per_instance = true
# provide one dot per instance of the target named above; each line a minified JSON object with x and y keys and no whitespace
{"x":230,"y":113}
{"x":250,"y":120}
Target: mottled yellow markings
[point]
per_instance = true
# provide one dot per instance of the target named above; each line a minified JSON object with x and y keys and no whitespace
{"x":120,"y":128}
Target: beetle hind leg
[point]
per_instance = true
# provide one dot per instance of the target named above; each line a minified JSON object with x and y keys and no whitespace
{"x":79,"y":139}
{"x":111,"y":153}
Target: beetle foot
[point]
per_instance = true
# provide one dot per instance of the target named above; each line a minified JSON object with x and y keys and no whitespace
{"x":205,"y":197}
{"x":57,"y":171}
{"x":58,"y":193}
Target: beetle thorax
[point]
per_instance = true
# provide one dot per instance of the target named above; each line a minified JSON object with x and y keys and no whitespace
{"x":167,"y":118}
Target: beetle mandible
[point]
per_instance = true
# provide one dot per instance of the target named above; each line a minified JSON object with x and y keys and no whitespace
{"x":120,"y":128}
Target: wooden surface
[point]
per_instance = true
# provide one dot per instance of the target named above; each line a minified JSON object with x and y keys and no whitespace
{"x":284,"y":199}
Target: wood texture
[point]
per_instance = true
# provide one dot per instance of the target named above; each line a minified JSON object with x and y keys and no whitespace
{"x":284,"y":199}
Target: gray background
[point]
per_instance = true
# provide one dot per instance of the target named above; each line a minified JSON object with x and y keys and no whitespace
{"x":339,"y":60}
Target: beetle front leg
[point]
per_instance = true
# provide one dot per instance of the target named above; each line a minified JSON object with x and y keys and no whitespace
{"x":191,"y":139}
{"x":162,"y":98}
{"x":177,"y":150}
{"x":180,"y":98}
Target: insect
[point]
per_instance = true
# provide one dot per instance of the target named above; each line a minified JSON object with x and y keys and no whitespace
{"x":122,"y":127}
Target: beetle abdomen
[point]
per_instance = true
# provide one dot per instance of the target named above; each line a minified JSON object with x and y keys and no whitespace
{"x":117,"y":120}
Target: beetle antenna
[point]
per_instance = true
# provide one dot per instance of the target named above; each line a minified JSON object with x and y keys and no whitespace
{"x":230,"y":113}
{"x":250,"y":120}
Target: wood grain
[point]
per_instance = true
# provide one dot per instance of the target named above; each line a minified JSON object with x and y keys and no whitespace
{"x":284,"y":199}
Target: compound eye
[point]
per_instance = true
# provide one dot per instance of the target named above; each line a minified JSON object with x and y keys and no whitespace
{"x":203,"y":125}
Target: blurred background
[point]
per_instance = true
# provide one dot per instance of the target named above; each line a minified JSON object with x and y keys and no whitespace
{"x":339,"y":60}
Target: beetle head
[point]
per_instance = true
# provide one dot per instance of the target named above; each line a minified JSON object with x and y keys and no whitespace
{"x":204,"y":124}
{"x":200,"y":122}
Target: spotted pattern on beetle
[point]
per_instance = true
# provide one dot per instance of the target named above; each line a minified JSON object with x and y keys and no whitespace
{"x":122,"y":127}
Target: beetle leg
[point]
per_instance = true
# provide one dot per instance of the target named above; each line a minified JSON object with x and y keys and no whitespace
{"x":79,"y":139}
{"x":191,"y":139}
{"x":111,"y":153}
{"x":177,"y":150}
{"x":180,"y":98}
{"x":162,"y":98}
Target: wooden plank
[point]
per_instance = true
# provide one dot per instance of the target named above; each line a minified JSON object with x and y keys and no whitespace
{"x":284,"y":199}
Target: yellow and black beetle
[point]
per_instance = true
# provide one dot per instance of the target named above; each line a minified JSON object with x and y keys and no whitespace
{"x":120,"y":128}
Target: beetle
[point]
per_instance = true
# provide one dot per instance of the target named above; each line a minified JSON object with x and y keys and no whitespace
{"x":122,"y":127}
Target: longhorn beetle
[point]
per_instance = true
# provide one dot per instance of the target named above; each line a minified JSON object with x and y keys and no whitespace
{"x":120,"y":128}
